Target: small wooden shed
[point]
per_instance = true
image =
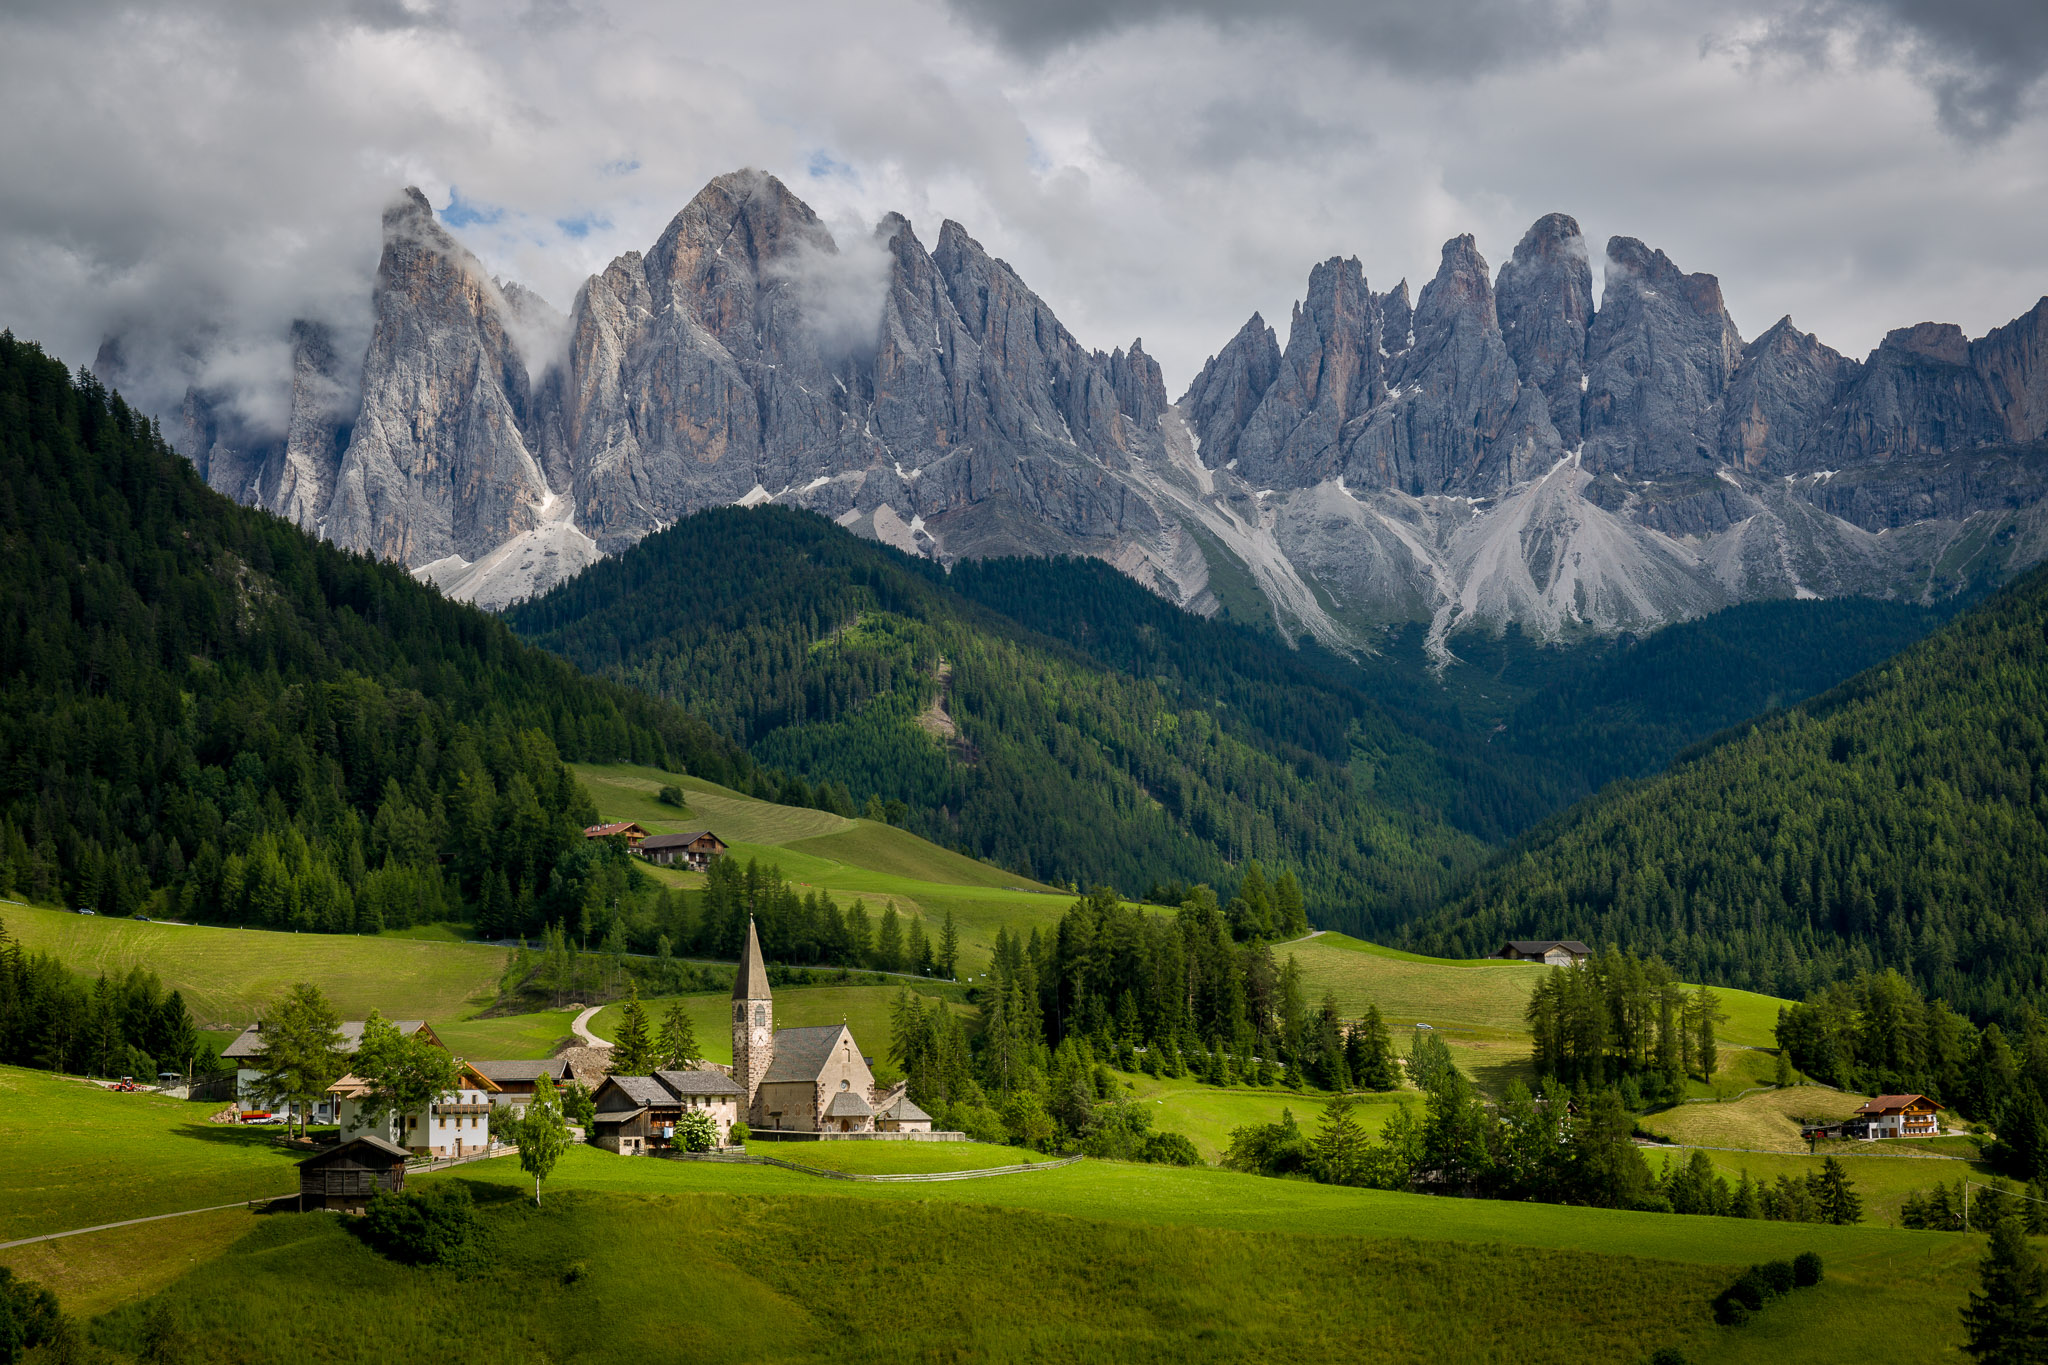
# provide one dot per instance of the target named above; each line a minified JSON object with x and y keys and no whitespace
{"x":344,"y":1177}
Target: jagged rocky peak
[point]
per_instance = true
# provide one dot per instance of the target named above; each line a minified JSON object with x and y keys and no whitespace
{"x":1658,"y":359}
{"x":1140,"y":385}
{"x":1222,"y":398}
{"x":437,"y":462}
{"x":1334,"y":368}
{"x":1545,"y":301}
{"x":1784,"y":386}
{"x":1458,"y":419}
{"x":2013,"y":361}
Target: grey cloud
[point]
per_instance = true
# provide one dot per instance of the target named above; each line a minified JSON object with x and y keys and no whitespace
{"x":1981,"y":60}
{"x":1440,"y":38}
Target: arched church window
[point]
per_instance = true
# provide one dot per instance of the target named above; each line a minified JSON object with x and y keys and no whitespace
{"x":760,"y":1015}
{"x":739,"y":1013}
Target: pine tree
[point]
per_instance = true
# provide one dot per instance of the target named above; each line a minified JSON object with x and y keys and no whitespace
{"x":889,"y":942}
{"x":632,"y":1049}
{"x":1836,"y":1197}
{"x":678,"y":1047}
{"x":1337,"y":1153}
{"x":2005,"y":1321}
{"x":1374,"y":1067}
{"x":948,"y":959}
{"x":303,"y":1052}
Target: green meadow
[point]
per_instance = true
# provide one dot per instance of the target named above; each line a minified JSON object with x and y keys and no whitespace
{"x":797,"y":1277}
{"x":77,"y":1154}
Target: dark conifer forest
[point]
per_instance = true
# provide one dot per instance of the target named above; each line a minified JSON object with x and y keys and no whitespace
{"x":1898,"y":821}
{"x":204,"y":709}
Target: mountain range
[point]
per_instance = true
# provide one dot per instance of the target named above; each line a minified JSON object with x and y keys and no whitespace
{"x":1497,"y":451}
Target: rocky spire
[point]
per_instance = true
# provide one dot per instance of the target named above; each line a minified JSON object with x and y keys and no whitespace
{"x":437,"y":462}
{"x":1545,"y":302}
{"x":1458,"y":421}
{"x":1658,"y":356}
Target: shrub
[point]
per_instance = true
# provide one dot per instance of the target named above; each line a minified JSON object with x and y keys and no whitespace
{"x":1777,"y":1276}
{"x":670,"y":796}
{"x":739,"y":1131}
{"x":1669,"y":1355}
{"x":28,"y":1316}
{"x":434,"y":1226}
{"x":1171,"y":1149}
{"x":696,"y":1131}
{"x":1806,"y":1269}
{"x":1729,"y":1310}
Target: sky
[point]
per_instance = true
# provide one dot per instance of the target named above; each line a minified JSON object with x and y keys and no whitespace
{"x":192,"y":177}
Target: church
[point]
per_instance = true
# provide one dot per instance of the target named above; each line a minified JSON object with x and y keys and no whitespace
{"x":806,"y":1080}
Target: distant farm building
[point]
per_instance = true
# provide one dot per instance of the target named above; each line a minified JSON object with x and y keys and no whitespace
{"x":343,"y":1178}
{"x":624,"y":829}
{"x":695,"y":850}
{"x":1552,"y":952}
{"x":1892,"y":1116}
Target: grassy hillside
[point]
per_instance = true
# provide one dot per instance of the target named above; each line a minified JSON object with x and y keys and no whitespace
{"x":1892,"y":822}
{"x":930,"y":1280}
{"x":79,"y":1154}
{"x":229,"y":976}
{"x":1204,"y":1262}
{"x":851,"y":858}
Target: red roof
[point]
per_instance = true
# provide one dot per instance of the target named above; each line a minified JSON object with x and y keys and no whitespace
{"x":1894,"y":1104}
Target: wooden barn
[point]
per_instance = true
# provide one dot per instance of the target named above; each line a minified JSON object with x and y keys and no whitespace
{"x":343,"y":1177}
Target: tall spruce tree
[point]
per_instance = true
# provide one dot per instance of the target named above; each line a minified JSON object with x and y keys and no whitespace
{"x":633,"y":1049}
{"x":2005,"y":1321}
{"x":303,"y":1050}
{"x":678,"y":1046}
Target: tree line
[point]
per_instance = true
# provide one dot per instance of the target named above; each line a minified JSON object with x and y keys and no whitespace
{"x":120,"y":1025}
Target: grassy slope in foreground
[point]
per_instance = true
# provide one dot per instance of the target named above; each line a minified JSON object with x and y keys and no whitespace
{"x":79,"y":1155}
{"x":805,"y":1278}
{"x":1882,"y":1281}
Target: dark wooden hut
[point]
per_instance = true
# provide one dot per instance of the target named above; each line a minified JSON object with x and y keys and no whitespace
{"x":344,"y":1177}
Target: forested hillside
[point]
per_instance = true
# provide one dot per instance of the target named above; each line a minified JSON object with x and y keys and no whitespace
{"x":205,"y":710}
{"x":1194,"y":748}
{"x":1899,"y":820}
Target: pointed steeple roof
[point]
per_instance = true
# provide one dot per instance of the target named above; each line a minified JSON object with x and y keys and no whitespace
{"x":750,"y":982}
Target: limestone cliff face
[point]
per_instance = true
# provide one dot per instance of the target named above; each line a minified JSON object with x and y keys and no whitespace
{"x":1501,"y":449}
{"x":437,"y":462}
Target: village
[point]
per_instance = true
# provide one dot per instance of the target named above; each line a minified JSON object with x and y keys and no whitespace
{"x":797,"y":1084}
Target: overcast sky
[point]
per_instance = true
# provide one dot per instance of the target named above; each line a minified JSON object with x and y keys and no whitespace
{"x":193,"y":176}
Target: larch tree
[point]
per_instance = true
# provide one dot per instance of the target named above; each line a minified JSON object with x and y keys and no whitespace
{"x":303,"y":1050}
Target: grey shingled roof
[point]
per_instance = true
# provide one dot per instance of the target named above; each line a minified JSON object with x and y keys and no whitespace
{"x":524,"y":1070}
{"x":750,"y":982}
{"x":698,"y":1083}
{"x":370,"y":1140}
{"x":250,"y":1042}
{"x":847,"y":1105}
{"x":801,"y":1053}
{"x":673,"y":840}
{"x":903,"y":1110}
{"x":1544,"y":945}
{"x":642,"y":1090}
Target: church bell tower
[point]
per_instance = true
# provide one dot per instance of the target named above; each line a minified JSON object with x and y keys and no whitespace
{"x":753,"y":1021}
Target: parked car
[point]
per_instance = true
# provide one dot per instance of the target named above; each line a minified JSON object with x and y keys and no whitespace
{"x":83,"y":911}
{"x":141,"y":919}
